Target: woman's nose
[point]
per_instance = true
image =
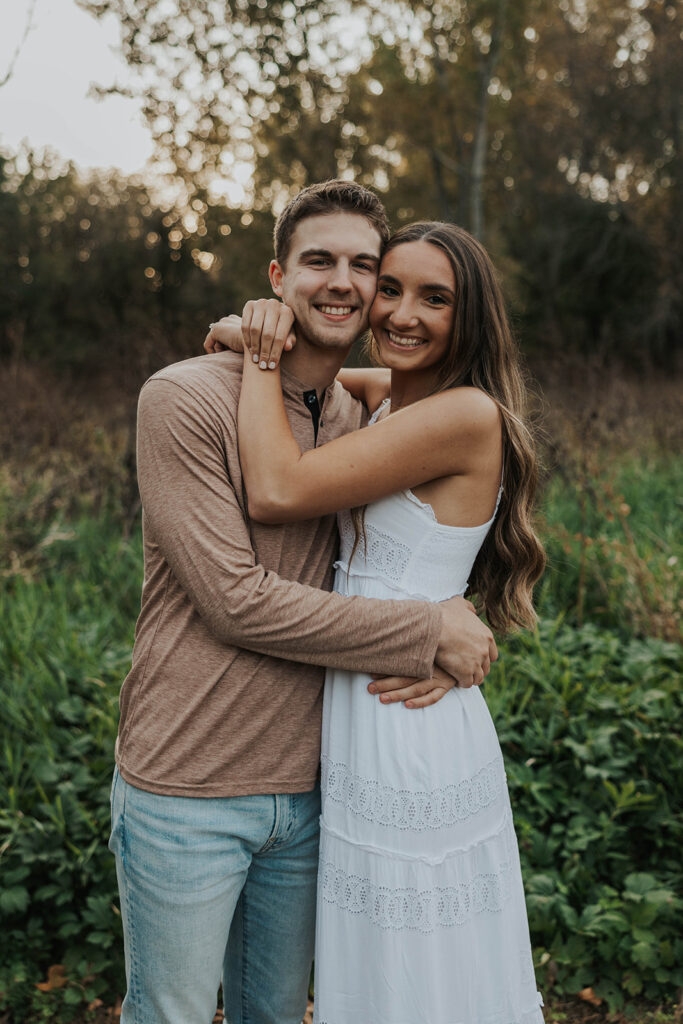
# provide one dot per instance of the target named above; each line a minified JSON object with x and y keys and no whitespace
{"x":404,"y":315}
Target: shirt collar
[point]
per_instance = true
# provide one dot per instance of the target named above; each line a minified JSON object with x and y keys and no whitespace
{"x":294,"y":388}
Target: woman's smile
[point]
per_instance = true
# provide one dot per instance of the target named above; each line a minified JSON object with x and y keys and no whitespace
{"x":403,"y":341}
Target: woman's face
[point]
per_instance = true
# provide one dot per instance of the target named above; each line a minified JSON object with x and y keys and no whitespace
{"x":413,"y":311}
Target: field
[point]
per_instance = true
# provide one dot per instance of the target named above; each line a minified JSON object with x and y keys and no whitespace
{"x":588,"y":706}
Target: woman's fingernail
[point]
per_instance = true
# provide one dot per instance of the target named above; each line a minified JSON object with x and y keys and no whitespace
{"x":255,"y":358}
{"x":262,"y":365}
{"x":271,"y":365}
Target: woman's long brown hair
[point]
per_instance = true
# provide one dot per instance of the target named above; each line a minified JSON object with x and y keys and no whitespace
{"x":484,"y":355}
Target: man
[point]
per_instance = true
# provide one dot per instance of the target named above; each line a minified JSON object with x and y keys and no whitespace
{"x":215,"y":802}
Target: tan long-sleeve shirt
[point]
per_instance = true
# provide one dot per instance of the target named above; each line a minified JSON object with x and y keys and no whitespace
{"x":224,"y":695}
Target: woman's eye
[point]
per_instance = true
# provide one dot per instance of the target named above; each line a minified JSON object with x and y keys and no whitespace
{"x":436,"y":300}
{"x":386,"y":289}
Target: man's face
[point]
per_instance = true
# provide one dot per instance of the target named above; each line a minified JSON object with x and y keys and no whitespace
{"x":329,"y":278}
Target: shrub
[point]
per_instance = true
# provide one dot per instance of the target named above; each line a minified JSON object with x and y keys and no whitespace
{"x":590,"y":726}
{"x":65,"y":643}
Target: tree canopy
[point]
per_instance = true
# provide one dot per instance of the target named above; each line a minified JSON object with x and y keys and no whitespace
{"x":551,"y":130}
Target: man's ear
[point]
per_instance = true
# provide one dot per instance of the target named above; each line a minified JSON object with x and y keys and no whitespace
{"x":276,"y":273}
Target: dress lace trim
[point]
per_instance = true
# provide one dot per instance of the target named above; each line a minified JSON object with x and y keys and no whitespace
{"x":417,"y":909}
{"x":418,"y":811}
{"x":534,"y":1016}
{"x":380,"y":551}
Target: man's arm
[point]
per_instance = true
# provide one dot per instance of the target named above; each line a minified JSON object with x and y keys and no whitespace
{"x":193,"y":515}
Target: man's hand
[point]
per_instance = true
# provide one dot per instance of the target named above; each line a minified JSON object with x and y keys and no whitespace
{"x":416,"y":693}
{"x":466,"y":646}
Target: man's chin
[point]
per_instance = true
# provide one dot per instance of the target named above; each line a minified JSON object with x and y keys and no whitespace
{"x":329,"y":340}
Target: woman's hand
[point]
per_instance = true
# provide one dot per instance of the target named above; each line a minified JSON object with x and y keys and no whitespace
{"x":226,"y":333}
{"x":267,"y":331}
{"x":265,"y":328}
{"x":415,"y":693}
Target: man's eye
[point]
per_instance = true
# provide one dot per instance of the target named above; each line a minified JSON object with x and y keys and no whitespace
{"x":363,"y":266}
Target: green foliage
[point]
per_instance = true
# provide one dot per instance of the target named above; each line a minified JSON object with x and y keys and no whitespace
{"x":589,"y":718}
{"x":65,"y":643}
{"x":590,"y":725}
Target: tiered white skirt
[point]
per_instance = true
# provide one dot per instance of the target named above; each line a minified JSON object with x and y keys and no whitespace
{"x":421,"y":913}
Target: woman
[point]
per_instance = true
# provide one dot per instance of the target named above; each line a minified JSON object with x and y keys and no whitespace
{"x":421,"y":914}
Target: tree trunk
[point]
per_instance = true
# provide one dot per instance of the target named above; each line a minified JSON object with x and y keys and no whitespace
{"x":481,"y":131}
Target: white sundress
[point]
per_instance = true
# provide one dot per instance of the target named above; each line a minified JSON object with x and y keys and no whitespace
{"x":421,"y":916}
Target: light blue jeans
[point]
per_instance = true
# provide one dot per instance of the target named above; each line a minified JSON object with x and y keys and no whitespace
{"x":215,"y":888}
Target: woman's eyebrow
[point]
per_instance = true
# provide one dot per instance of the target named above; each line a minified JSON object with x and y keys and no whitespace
{"x":423,"y":287}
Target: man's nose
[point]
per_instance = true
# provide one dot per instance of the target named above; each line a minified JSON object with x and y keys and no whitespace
{"x":340,"y":277}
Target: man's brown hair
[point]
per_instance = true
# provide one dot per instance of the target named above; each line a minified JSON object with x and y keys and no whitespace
{"x":333,"y":196}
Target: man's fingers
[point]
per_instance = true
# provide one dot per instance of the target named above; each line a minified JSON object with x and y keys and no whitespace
{"x":493,"y":650}
{"x":432,"y":697}
{"x":416,"y":688}
{"x":385,"y":684}
{"x":416,"y":693}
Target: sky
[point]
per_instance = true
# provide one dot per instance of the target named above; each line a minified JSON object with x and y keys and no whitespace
{"x":46,"y":99}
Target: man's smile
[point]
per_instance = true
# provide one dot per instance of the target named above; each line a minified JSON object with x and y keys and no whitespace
{"x":335,"y":312}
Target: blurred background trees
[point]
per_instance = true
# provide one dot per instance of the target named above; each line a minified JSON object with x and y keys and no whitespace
{"x":550,"y":130}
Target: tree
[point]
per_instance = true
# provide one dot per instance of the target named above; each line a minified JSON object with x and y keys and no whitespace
{"x":210,"y":72}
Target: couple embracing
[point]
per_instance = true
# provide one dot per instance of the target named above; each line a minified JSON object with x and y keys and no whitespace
{"x":248,"y":463}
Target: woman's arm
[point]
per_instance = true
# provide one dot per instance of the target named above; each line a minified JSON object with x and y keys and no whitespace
{"x":369,"y":385}
{"x":449,"y":433}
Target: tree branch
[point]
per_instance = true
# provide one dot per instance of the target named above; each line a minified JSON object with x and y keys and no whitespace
{"x":20,"y":44}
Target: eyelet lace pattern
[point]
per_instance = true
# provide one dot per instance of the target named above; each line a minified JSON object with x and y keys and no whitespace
{"x":424,"y":910}
{"x":378,"y":551}
{"x":419,"y":811}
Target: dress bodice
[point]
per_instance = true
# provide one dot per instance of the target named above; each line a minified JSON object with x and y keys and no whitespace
{"x":406,"y":549}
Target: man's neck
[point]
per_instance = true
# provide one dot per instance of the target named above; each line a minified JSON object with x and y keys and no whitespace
{"x":314,"y":367}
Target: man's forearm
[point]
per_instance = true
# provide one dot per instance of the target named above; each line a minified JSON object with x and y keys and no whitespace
{"x":192,"y":513}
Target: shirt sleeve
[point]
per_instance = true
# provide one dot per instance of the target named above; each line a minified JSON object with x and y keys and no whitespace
{"x":193,"y":514}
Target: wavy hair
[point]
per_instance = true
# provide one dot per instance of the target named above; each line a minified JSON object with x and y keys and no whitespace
{"x":484,"y":355}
